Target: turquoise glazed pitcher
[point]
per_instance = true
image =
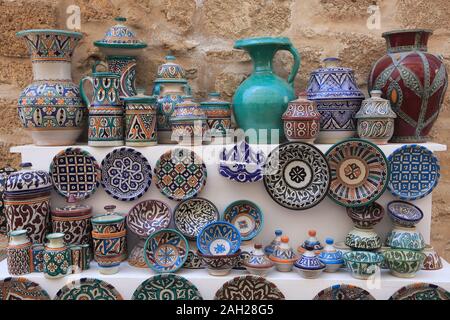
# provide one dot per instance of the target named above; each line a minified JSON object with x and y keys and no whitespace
{"x":259,"y":102}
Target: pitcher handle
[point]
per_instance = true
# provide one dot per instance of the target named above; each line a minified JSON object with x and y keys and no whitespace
{"x":83,"y":93}
{"x":296,"y":64}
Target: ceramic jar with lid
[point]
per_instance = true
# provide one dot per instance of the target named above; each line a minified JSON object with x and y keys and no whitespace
{"x":18,"y":254}
{"x":283,"y":256}
{"x":301,"y":120}
{"x":375,"y":119}
{"x":338,"y":99}
{"x":331,"y":257}
{"x":4,"y":174}
{"x":274,"y":243}
{"x":309,"y":266}
{"x":57,"y":259}
{"x":218,"y":113}
{"x":311,"y":243}
{"x":258,"y":263}
{"x":27,"y":202}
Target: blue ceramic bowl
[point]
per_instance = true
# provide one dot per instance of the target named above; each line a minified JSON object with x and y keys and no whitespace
{"x":246,"y":216}
{"x":404,"y":213}
{"x":219,"y":238}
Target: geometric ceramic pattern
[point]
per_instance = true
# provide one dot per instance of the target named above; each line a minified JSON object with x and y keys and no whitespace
{"x":75,"y":172}
{"x":404,"y":213}
{"x":88,"y":289}
{"x":343,"y":292}
{"x":359,"y":172}
{"x":148,"y":216}
{"x":166,"y":250}
{"x":246,"y":216}
{"x":249,"y":287}
{"x":180,"y":174}
{"x":414,"y":172}
{"x":421,"y":291}
{"x":126,"y":174}
{"x":219,"y":238}
{"x":21,"y":289}
{"x":297,"y":175}
{"x":191,"y":215}
{"x":166,"y":287}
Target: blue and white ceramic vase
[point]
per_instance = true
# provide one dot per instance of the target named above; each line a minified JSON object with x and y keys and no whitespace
{"x":309,"y":265}
{"x":19,"y":256}
{"x":57,"y":259}
{"x":331,"y":257}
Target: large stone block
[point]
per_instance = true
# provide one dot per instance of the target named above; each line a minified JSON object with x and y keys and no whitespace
{"x":15,"y":71}
{"x":180,"y":13}
{"x":423,"y":14}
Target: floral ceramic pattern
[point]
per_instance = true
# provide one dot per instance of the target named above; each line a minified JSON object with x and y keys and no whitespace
{"x":249,"y":287}
{"x":404,"y":263}
{"x":246,"y":216}
{"x":88,"y":289}
{"x":21,"y":289}
{"x":56,"y":262}
{"x":343,"y":292}
{"x":421,"y":291}
{"x":148,"y":216}
{"x":218,"y":238}
{"x":166,"y":287}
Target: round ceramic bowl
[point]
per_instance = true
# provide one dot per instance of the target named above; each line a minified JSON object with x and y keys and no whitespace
{"x":219,"y":238}
{"x":363,"y":239}
{"x":404,"y":263}
{"x":219,"y":265}
{"x":381,"y":251}
{"x":362,"y":264}
{"x":366,"y":217}
{"x":309,"y":273}
{"x":432,"y":259}
{"x":405,"y":238}
{"x":404,"y":214}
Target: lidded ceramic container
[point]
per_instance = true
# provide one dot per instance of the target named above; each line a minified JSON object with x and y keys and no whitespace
{"x":331,"y":257}
{"x":283,"y":256}
{"x":27,"y":202}
{"x":171,"y":71}
{"x":308,"y":265}
{"x":274,"y":243}
{"x":338,"y":99}
{"x":218,"y":113}
{"x":301,"y":120}
{"x":311,"y":244}
{"x":57,"y":258}
{"x":4,"y":174}
{"x":375,"y":119}
{"x":18,"y":254}
{"x":258,"y":263}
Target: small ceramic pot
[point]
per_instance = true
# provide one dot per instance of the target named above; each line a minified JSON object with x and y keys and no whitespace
{"x":363,"y":239}
{"x":404,"y":263}
{"x":274,"y":243}
{"x":283,"y":256}
{"x":312,"y":243}
{"x":57,"y":259}
{"x":218,"y":115}
{"x":432,"y":259}
{"x":405,"y":238}
{"x":309,"y":266}
{"x":219,"y":265}
{"x":331,"y":257}
{"x":258,"y":263}
{"x":38,"y":257}
{"x":362,"y":264}
{"x":188,"y":123}
{"x":366,"y":217}
{"x":404,"y":214}
{"x":18,"y":254}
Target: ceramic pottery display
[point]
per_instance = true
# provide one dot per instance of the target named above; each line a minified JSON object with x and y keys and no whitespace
{"x":140,"y":120}
{"x":188,"y":123}
{"x":27,"y":202}
{"x":432,"y":259}
{"x":415,"y":172}
{"x":57,"y":259}
{"x":18,"y":253}
{"x":218,"y":238}
{"x":75,"y":172}
{"x":166,"y":287}
{"x":375,"y":119}
{"x":4,"y":174}
{"x":50,"y":108}
{"x":331,"y":257}
{"x":218,"y":113}
{"x":359,"y":172}
{"x":283,"y":256}
{"x":37,"y":251}
{"x":166,"y":250}
{"x":404,"y":263}
{"x":311,"y":243}
{"x":413,"y":80}
{"x":363,"y":239}
{"x":192,"y":215}
{"x":309,"y":266}
{"x":301,"y":120}
{"x":220,"y":265}
{"x":242,"y":163}
{"x":405,"y":238}
{"x":404,"y":214}
{"x":274,"y":243}
{"x":79,"y":257}
{"x":126,"y":174}
{"x":88,"y":289}
{"x":338,"y":99}
{"x":258,"y":263}
{"x":106,"y":128}
{"x":180,"y":174}
{"x":249,"y":287}
{"x":121,"y":47}
{"x":421,"y":291}
{"x":259,"y":101}
{"x":297,"y":175}
{"x":366,"y":217}
{"x":344,"y":292}
{"x":362,"y":264}
{"x":246,"y":216}
{"x":21,"y":289}
{"x":193,"y":260}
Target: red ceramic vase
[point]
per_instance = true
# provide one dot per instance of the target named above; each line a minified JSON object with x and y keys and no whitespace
{"x":413,"y":80}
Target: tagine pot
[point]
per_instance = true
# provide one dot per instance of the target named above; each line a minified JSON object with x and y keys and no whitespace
{"x":413,"y":80}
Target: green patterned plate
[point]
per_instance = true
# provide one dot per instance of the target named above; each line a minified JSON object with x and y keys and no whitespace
{"x":421,"y":291}
{"x":166,"y":287}
{"x":88,"y":289}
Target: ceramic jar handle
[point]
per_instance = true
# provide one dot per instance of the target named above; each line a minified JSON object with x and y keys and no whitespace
{"x":296,"y":64}
{"x":84,"y":97}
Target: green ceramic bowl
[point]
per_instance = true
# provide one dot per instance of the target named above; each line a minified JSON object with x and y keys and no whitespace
{"x":362,"y":264}
{"x":404,"y":263}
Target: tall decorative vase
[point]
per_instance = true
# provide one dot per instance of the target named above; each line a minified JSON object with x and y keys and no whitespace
{"x":259,"y":102}
{"x":18,"y":254}
{"x":414,"y":81}
{"x":57,"y":258}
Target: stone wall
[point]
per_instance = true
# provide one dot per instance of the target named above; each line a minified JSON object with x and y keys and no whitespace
{"x":200,"y":33}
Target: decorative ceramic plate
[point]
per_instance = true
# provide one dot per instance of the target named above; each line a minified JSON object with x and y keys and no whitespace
{"x":343,"y":292}
{"x":88,"y":289}
{"x":166,"y":287}
{"x":246,"y":216}
{"x":126,"y":174}
{"x":191,"y":215}
{"x":297,"y":175}
{"x":359,"y":172}
{"x":166,"y":250}
{"x":148,"y":216}
{"x":75,"y":171}
{"x":219,"y":238}
{"x":242,"y":163}
{"x":21,"y":289}
{"x":249,"y":287}
{"x":421,"y":291}
{"x":180,"y":174}
{"x":415,"y":172}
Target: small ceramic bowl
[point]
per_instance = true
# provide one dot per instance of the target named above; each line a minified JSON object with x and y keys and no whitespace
{"x":363,"y":239}
{"x":405,"y":238}
{"x":366,"y":217}
{"x":432,"y":259}
{"x":404,"y":263}
{"x":219,"y":238}
{"x":404,"y":214}
{"x":362,"y":264}
{"x":219,"y":265}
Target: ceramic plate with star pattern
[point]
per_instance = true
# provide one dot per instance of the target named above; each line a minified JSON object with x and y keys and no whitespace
{"x":249,"y":287}
{"x":88,"y":289}
{"x":167,"y":287}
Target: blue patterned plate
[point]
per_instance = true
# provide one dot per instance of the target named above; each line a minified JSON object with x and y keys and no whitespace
{"x":415,"y":172}
{"x":246,"y":216}
{"x":166,"y":250}
{"x":219,"y":238}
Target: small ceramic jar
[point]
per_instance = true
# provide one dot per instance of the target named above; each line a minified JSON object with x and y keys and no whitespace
{"x":404,"y":263}
{"x":18,"y":254}
{"x":309,"y":266}
{"x":363,"y":239}
{"x":301,"y":120}
{"x":38,"y":257}
{"x":218,"y":115}
{"x":219,"y":265}
{"x":375,"y":119}
{"x":283,"y":256}
{"x":57,"y":258}
{"x":258,"y":263}
{"x":331,"y":257}
{"x":432,"y":259}
{"x":311,"y":244}
{"x":405,"y":238}
{"x":274,"y":243}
